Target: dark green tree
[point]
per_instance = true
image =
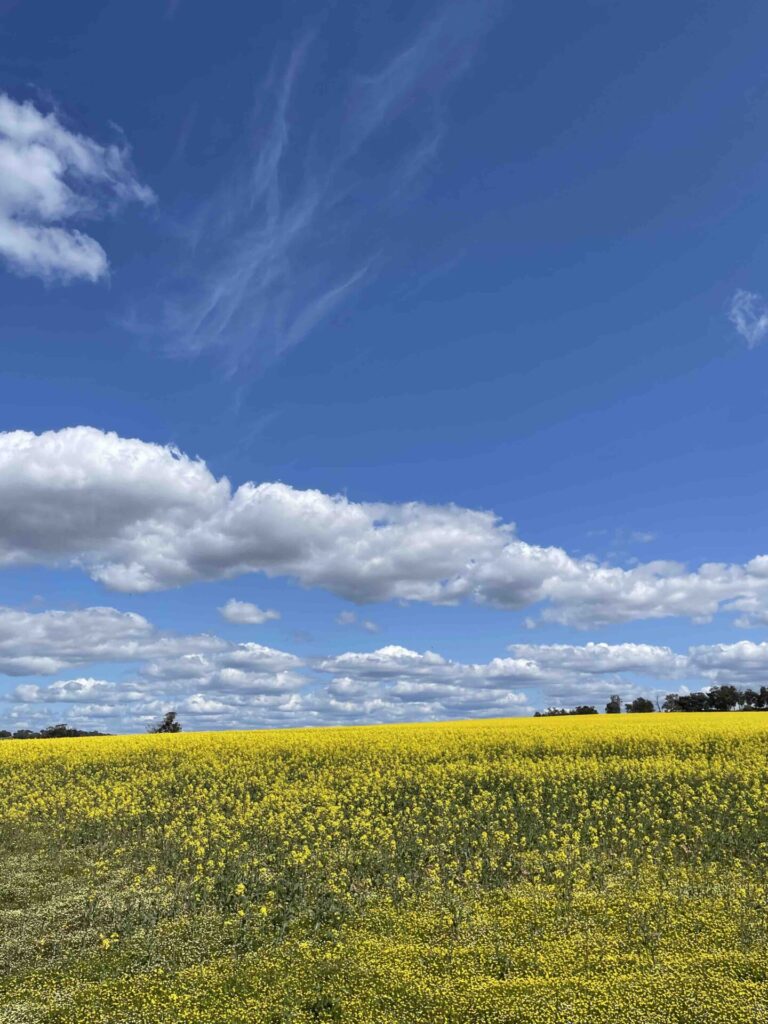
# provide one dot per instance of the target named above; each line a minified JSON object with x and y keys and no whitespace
{"x":56,"y":732}
{"x":169,"y":723}
{"x":640,"y":706}
{"x":694,"y":702}
{"x":755,"y":700}
{"x":613,"y":707}
{"x":724,"y":698}
{"x":582,"y":709}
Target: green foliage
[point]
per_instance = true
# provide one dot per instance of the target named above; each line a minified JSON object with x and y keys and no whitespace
{"x":640,"y":706}
{"x":718,"y":698}
{"x":51,"y":732}
{"x":581,"y":709}
{"x":168,"y":723}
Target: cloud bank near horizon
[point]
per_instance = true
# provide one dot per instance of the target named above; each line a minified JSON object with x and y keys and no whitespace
{"x":221,"y":684}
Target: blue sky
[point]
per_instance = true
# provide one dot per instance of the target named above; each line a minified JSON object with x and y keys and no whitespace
{"x":449,"y":262}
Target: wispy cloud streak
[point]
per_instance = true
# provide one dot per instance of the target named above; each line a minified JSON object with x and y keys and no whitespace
{"x":279,"y":248}
{"x":749,"y":315}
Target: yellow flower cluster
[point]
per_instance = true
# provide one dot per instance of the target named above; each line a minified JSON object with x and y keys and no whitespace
{"x":596,"y":870}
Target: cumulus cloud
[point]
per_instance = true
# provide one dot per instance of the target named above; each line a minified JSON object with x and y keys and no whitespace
{"x":75,"y":691}
{"x":388,"y":661}
{"x":432,"y":686}
{"x":600,"y":658}
{"x":51,"y":176}
{"x":140,"y":517}
{"x":242,"y":613}
{"x":552,"y":669}
{"x":202,"y":675}
{"x":41,"y":643}
{"x":403,"y":684}
{"x":742,"y":663}
{"x":237,"y":668}
{"x":749,"y":315}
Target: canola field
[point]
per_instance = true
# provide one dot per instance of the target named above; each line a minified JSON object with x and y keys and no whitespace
{"x":597,"y":870}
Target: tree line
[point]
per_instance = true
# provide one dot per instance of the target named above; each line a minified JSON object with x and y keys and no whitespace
{"x":51,"y":732}
{"x":168,"y":723}
{"x":717,"y":698}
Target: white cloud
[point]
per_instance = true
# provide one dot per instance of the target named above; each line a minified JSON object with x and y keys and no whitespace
{"x":749,"y":315}
{"x":257,"y":658}
{"x":599,"y":594}
{"x":141,"y":517}
{"x":236,"y":661}
{"x":600,"y":658}
{"x":244,"y":614}
{"x":50,"y":176}
{"x":249,"y":685}
{"x":199,"y":675}
{"x":41,"y":643}
{"x":348,"y":618}
{"x":432,"y":686}
{"x":386,"y":662}
{"x":553,"y":669}
{"x":239,"y":669}
{"x":742,"y":663}
{"x":75,"y":691}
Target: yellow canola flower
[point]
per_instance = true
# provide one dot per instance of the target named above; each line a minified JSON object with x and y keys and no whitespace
{"x":606,"y":870}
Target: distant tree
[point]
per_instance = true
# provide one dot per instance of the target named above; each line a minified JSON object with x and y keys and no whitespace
{"x":755,"y":700}
{"x":56,"y":732}
{"x":718,"y":698}
{"x":613,"y":707}
{"x":724,"y":698}
{"x":169,"y":723}
{"x":51,"y":732}
{"x":582,"y":709}
{"x":694,"y":702}
{"x":640,"y":706}
{"x":63,"y":731}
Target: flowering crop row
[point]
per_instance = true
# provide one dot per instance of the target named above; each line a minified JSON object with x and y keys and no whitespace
{"x":596,"y":870}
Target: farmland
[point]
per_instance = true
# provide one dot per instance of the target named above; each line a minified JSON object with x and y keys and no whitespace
{"x":604,"y":870}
